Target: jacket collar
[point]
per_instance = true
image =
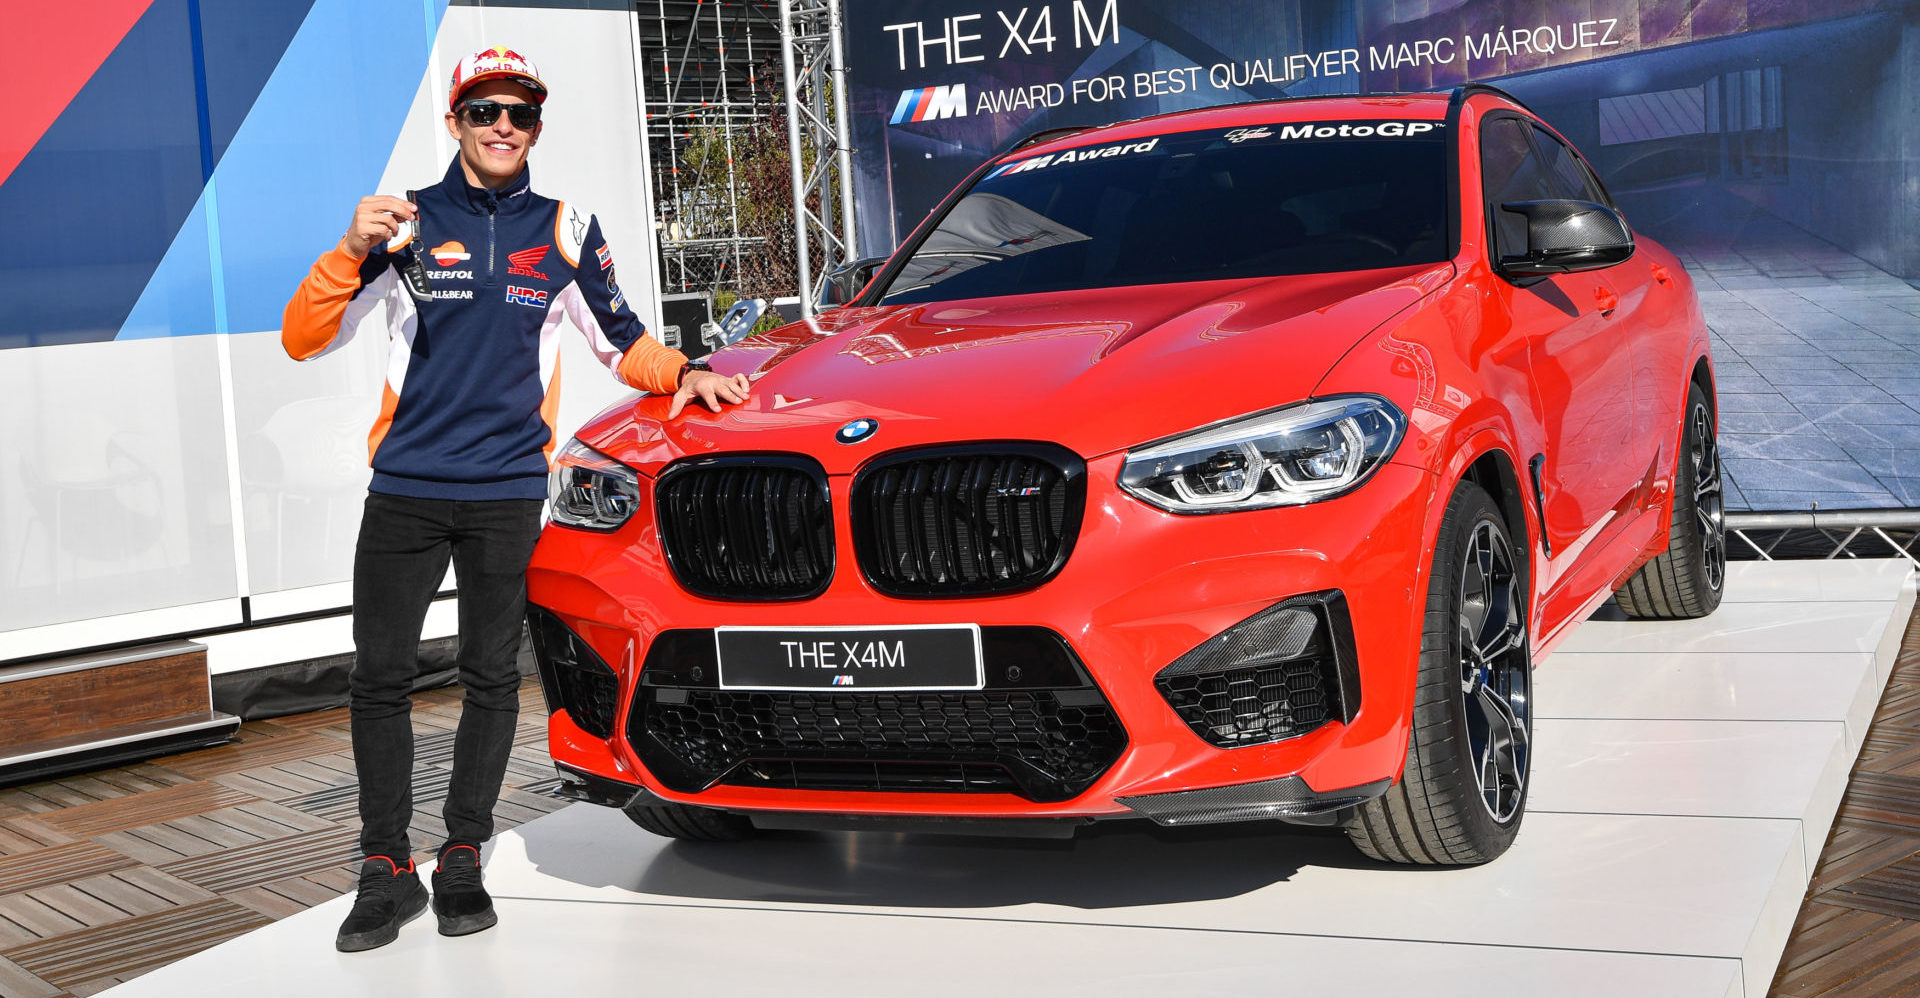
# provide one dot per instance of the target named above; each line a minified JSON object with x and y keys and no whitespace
{"x":477,"y":200}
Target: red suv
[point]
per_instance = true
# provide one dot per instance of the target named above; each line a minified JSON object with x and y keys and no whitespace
{"x":1231,"y":464}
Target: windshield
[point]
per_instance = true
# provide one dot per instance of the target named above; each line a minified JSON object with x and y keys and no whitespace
{"x":1294,"y":198}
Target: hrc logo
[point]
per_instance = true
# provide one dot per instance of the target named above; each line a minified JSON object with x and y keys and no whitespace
{"x":931,"y":103}
{"x":527,"y":296}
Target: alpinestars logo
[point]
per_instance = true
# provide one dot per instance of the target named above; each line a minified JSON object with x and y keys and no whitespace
{"x":930,"y":104}
{"x":526,"y":296}
{"x":521,"y":264}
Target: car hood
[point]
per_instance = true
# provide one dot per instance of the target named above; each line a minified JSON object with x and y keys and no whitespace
{"x":1097,"y":371}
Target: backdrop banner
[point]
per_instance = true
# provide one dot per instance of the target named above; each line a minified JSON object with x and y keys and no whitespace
{"x":1767,"y":141}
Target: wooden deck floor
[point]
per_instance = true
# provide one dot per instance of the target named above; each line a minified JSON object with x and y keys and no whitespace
{"x":1858,"y":934}
{"x":106,"y":876}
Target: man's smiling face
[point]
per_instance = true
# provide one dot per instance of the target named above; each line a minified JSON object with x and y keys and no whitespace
{"x":492,"y":155}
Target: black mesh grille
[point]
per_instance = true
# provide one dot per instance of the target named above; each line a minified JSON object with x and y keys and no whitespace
{"x":1278,"y":674}
{"x":924,"y":777}
{"x":750,"y":527}
{"x":1040,"y":747}
{"x":574,"y":678}
{"x":1250,"y":706}
{"x":958,"y":521}
{"x":1041,"y":730}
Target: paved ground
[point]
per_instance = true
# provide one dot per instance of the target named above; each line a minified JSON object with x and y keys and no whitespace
{"x":1817,"y":352}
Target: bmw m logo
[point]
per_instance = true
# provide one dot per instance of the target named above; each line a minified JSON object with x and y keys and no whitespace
{"x":856,"y":431}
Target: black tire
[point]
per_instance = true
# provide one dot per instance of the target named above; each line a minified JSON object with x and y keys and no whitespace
{"x":1687,"y":579}
{"x":693,"y":824}
{"x":1460,"y":799}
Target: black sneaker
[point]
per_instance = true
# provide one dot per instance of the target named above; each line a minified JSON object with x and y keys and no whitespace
{"x":459,"y":900}
{"x":390,"y":896}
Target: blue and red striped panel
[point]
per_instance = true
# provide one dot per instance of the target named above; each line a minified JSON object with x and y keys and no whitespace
{"x":150,"y":116}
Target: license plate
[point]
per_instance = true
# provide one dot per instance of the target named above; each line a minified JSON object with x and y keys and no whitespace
{"x":915,"y":657}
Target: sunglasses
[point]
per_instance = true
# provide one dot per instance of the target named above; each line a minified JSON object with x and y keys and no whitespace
{"x":482,"y":113}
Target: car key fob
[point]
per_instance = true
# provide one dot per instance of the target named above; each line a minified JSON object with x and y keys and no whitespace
{"x":413,"y":260}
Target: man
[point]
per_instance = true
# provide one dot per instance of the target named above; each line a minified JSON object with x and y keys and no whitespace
{"x":459,"y":454}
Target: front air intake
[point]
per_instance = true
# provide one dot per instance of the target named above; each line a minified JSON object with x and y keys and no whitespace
{"x":1279,"y":674}
{"x":574,"y":678}
{"x":1041,"y":729}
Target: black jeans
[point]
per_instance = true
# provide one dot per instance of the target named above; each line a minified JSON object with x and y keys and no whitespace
{"x":398,"y":565}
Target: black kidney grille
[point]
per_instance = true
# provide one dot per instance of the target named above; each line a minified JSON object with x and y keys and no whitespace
{"x":1045,"y":745}
{"x":747,"y":528}
{"x":967,"y":521}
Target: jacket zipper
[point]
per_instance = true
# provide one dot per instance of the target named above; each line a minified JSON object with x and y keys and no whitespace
{"x":490,"y":273}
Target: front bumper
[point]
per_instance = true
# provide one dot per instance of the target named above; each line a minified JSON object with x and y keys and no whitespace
{"x":1141,"y":590}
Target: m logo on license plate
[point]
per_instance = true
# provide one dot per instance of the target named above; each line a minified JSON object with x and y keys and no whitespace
{"x":912,"y":657}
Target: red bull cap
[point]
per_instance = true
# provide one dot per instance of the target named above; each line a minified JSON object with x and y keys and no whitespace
{"x":496,"y":63}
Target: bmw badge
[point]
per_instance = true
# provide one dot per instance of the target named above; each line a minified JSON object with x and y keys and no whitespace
{"x":856,"y":431}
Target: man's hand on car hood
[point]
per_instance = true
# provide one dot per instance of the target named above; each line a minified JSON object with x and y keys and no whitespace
{"x":711,"y":389}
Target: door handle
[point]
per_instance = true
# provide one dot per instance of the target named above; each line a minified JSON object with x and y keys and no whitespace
{"x":1660,"y":274}
{"x":1605,"y":299}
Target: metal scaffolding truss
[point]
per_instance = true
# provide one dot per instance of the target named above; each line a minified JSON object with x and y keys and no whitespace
{"x":702,"y":80}
{"x":814,"y":65}
{"x":714,"y":102}
{"x":1866,"y":533}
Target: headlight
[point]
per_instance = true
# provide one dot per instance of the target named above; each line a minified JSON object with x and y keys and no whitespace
{"x":1292,"y":456}
{"x":591,"y":490}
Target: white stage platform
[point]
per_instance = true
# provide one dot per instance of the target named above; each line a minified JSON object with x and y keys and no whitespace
{"x":1685,"y":779}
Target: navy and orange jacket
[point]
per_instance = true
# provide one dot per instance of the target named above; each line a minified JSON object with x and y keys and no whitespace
{"x":473,"y":376}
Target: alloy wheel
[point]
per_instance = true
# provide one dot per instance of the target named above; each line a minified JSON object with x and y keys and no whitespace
{"x":1709,"y":502}
{"x":1494,"y":684}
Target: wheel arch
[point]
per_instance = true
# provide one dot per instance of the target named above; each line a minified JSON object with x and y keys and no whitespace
{"x":1486,"y":458}
{"x":1703,"y":376}
{"x":1494,"y":470}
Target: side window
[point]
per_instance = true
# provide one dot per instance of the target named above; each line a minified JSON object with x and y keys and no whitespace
{"x":1564,"y":170}
{"x":1509,"y":171}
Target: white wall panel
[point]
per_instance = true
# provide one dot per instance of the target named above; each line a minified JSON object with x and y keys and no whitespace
{"x":302,"y":438}
{"x":113,"y":480}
